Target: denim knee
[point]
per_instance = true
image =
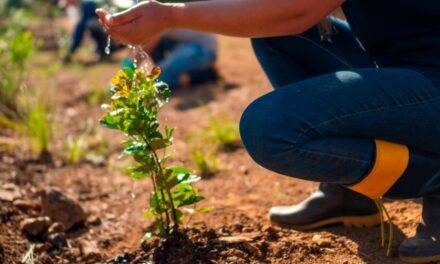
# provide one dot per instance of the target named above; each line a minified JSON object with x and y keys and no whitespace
{"x":261,"y":135}
{"x":252,"y":132}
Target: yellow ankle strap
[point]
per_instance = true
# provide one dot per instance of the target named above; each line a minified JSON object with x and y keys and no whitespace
{"x":391,"y":162}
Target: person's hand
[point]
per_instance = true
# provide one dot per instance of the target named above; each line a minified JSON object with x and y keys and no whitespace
{"x":137,"y":25}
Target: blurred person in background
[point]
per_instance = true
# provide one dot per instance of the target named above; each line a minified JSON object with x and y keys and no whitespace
{"x":185,"y":57}
{"x":87,"y":21}
{"x":356,"y":104}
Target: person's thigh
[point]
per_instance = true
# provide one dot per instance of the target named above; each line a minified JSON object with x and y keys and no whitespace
{"x":323,"y":128}
{"x":289,"y":59}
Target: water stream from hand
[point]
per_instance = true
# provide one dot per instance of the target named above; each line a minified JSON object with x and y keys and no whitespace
{"x":138,"y":57}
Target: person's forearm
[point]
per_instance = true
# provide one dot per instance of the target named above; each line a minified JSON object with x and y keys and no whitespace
{"x":251,"y":18}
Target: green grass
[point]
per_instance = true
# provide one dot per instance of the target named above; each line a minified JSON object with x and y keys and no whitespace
{"x":37,"y":125}
{"x":206,"y":163}
{"x":224,"y":133}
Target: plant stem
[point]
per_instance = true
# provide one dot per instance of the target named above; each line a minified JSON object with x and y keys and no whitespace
{"x":173,"y":210}
{"x":153,"y":178}
{"x":157,"y":197}
{"x":160,"y":170}
{"x":166,"y":211}
{"x":160,"y":174}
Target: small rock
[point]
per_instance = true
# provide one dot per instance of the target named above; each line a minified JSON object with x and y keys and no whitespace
{"x":253,"y":250}
{"x":43,"y":247}
{"x":320,"y":241}
{"x":61,"y":208}
{"x":232,"y":259}
{"x":56,"y":228}
{"x":267,"y":228}
{"x":150,"y":243}
{"x":247,"y":229}
{"x":94,"y":221}
{"x":9,"y":195}
{"x":90,"y":250}
{"x":236,"y":253}
{"x":243,"y":169}
{"x":36,"y":226}
{"x":58,"y":240}
{"x":26,"y":205}
{"x":75,"y":252}
{"x":235,"y":239}
{"x":110,"y":216}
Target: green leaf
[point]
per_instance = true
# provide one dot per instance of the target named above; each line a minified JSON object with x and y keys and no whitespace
{"x":129,"y":71}
{"x":134,"y":147}
{"x":179,"y":215}
{"x":149,"y":214}
{"x":203,"y":210}
{"x":155,"y":134}
{"x":190,"y":179}
{"x":185,"y":195}
{"x":139,"y":172}
{"x":109,"y":122}
{"x":156,"y":204}
{"x":159,"y":144}
{"x":174,"y":176}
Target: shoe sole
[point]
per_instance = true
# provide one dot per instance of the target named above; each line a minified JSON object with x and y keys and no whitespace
{"x":420,"y":260}
{"x":348,"y":221}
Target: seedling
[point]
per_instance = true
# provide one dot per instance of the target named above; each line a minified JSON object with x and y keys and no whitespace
{"x":224,"y":132}
{"x":37,"y":125}
{"x":88,"y":145}
{"x":135,"y":102}
{"x":16,"y":48}
{"x":206,"y":162}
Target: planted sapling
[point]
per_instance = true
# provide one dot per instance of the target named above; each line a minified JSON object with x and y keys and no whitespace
{"x":135,"y":103}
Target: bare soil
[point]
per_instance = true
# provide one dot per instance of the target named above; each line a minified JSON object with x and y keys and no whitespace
{"x":237,"y":231}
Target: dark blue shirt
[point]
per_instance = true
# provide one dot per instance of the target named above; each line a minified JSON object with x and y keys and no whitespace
{"x":397,"y":32}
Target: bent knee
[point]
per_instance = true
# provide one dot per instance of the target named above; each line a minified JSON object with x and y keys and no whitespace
{"x":264,"y":134}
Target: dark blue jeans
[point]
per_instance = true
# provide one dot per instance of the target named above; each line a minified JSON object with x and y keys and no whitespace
{"x":329,"y":104}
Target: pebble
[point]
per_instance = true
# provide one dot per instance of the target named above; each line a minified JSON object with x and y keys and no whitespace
{"x":61,"y":208}
{"x":58,"y":240}
{"x":26,"y":205}
{"x":56,"y":228}
{"x":35,"y":226}
{"x":320,"y":241}
{"x":90,"y":250}
{"x":94,"y":221}
{"x":235,"y":239}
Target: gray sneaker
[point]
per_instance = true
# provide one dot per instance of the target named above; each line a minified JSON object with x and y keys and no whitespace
{"x":330,"y":204}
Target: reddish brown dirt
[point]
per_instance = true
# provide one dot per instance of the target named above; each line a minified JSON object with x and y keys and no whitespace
{"x":241,"y":193}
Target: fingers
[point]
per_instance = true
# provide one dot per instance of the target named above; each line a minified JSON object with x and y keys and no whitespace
{"x":124,"y":34}
{"x":124,"y":17}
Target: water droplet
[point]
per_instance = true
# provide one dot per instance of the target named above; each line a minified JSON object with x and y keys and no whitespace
{"x":107,"y":48}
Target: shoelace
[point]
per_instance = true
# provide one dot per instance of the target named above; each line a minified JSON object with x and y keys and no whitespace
{"x":382,"y":210}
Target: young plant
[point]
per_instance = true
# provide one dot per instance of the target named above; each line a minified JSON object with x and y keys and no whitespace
{"x":76,"y":149}
{"x":37,"y":126}
{"x":206,"y":162}
{"x":16,"y":48}
{"x":135,"y":103}
{"x":88,"y":145}
{"x":224,"y":133}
